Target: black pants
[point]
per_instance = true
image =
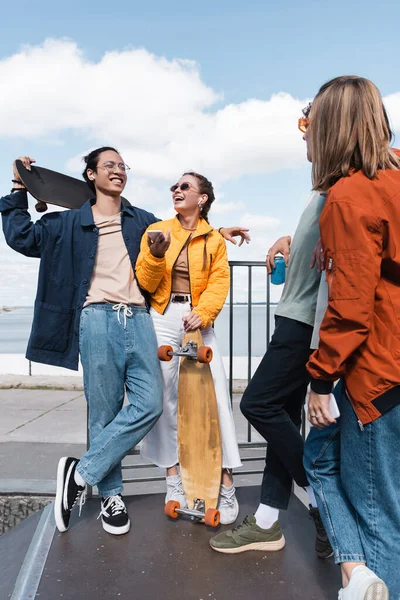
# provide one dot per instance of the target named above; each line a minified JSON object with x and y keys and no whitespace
{"x":273,"y":403}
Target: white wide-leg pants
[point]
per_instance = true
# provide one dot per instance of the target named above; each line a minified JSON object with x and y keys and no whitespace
{"x":160,"y":444}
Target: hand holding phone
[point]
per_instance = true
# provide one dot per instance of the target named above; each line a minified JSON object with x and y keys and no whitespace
{"x":158,"y":242}
{"x":333,"y":407}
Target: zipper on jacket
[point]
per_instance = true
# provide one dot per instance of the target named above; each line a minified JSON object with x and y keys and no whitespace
{"x":361,"y":426}
{"x":190,"y":283}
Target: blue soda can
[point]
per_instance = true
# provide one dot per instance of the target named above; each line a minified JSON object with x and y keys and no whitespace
{"x":278,"y":274}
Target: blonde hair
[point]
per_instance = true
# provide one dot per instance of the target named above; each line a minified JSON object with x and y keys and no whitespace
{"x":349,"y":131}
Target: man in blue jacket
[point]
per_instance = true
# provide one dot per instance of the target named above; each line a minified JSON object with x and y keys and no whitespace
{"x":88,"y":302}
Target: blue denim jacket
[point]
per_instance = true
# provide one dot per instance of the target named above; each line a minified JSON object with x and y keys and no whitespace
{"x":66,"y":243}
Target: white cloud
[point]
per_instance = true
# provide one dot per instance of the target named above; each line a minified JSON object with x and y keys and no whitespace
{"x":392,"y":104}
{"x":159,"y":112}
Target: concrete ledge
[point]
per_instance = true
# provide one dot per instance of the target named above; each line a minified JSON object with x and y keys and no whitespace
{"x":27,"y":487}
{"x":41,"y":382}
{"x":64,"y":382}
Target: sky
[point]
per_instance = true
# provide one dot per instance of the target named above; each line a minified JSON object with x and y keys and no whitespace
{"x":215,"y":87}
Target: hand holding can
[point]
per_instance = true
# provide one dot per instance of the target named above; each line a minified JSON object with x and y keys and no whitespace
{"x":279,"y":272}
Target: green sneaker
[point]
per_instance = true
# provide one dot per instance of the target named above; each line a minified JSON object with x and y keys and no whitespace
{"x":249,"y":536}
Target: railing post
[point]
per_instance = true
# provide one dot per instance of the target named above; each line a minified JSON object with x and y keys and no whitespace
{"x":231,"y":335}
{"x":249,"y":334}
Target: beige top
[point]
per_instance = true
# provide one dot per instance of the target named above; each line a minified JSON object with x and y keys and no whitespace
{"x":180,"y":272}
{"x":113,"y":279}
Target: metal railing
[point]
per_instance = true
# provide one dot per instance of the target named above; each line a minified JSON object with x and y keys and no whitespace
{"x":250,"y":266}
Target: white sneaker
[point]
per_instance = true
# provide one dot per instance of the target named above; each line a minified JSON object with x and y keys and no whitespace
{"x":228,"y":505}
{"x":175,"y":490}
{"x":364,"y":585}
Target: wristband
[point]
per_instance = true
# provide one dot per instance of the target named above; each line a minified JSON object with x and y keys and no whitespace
{"x":18,"y":189}
{"x":17,"y":181}
{"x":219,"y":230}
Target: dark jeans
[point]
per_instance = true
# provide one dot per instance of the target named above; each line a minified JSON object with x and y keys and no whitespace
{"x":273,"y":403}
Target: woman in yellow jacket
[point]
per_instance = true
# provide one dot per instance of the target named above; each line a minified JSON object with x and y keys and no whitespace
{"x":185,"y":270}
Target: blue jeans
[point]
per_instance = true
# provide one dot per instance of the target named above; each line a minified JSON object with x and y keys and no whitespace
{"x":355,"y":475}
{"x":118,"y":354}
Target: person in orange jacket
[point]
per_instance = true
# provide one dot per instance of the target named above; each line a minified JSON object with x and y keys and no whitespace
{"x":185,"y":269}
{"x":353,"y":464}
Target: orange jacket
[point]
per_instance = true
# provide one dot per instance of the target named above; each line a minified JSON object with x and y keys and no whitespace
{"x":208,"y":269}
{"x":360,"y":333}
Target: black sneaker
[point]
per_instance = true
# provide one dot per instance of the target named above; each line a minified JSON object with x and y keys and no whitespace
{"x":68,"y":492}
{"x":323,"y":546}
{"x":114,"y":515}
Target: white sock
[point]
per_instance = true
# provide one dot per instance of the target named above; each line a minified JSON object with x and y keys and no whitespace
{"x":311,"y":496}
{"x":266,"y":516}
{"x":79,"y":479}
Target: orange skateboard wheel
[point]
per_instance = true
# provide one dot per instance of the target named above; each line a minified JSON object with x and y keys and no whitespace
{"x":212,"y":517}
{"x":204,"y":354}
{"x":170,"y":507}
{"x":163,"y":352}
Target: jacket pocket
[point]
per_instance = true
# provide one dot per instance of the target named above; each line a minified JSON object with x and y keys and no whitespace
{"x":343,"y":274}
{"x":52,"y":327}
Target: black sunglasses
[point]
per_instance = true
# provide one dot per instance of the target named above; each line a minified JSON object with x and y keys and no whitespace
{"x":183,"y":186}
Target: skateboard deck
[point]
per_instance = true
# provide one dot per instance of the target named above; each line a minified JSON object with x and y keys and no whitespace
{"x":50,"y":187}
{"x":199,"y":440}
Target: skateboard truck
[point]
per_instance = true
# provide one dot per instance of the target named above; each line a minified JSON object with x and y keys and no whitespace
{"x":191,"y":350}
{"x":198,"y":513}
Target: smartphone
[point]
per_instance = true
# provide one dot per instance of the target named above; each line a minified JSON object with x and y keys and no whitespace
{"x":153,"y":234}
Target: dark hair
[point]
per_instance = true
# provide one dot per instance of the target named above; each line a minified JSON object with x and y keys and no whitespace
{"x":205,"y":187}
{"x":92,"y":160}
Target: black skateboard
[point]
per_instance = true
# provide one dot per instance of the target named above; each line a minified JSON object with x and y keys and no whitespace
{"x":50,"y":187}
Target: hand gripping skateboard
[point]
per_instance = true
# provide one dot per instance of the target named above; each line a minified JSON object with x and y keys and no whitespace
{"x":199,"y":440}
{"x":50,"y":187}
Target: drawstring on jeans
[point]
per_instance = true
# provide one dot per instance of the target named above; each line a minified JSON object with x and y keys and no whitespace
{"x":125,"y":309}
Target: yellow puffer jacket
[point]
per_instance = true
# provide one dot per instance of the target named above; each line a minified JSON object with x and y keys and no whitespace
{"x":208,"y":268}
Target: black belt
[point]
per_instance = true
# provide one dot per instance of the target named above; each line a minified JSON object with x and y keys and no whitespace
{"x":180,"y":298}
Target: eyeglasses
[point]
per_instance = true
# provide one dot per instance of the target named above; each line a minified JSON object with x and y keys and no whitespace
{"x":183,"y":187}
{"x":110,"y":166}
{"x":304,"y":122}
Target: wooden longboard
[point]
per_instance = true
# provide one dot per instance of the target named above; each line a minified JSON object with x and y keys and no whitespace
{"x":199,"y":439}
{"x":50,"y":187}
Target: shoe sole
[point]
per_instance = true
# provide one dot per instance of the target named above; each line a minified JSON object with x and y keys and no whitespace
{"x":324,"y":556}
{"x":60,"y":524}
{"x":377,"y":591}
{"x":261,"y":546}
{"x":116,"y":530}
